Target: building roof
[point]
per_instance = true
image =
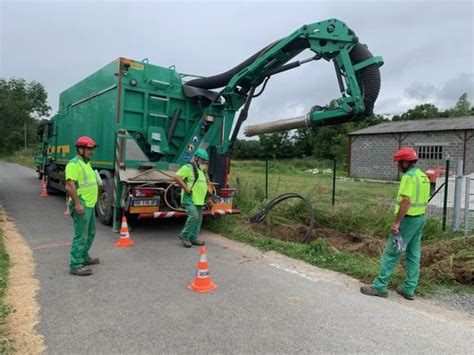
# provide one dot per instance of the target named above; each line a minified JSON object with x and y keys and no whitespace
{"x":429,"y":125}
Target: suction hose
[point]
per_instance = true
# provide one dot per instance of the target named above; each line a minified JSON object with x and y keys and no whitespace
{"x":262,"y":213}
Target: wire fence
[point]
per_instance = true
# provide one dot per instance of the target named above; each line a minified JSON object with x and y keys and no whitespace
{"x":452,"y":194}
{"x":451,"y":202}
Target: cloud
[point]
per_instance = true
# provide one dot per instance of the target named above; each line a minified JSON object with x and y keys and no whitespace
{"x":421,"y":91}
{"x":426,"y":45}
{"x":443,"y":95}
{"x":455,"y":87}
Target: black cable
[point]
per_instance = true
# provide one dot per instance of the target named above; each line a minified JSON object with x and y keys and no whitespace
{"x":439,"y":188}
{"x":263,"y":87}
{"x":262,"y":213}
{"x":242,"y":116}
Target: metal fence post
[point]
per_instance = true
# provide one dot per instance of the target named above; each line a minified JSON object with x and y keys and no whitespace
{"x":334,"y":182}
{"x":467,"y":195}
{"x":445,"y":202}
{"x":266,"y":177}
{"x":457,"y":195}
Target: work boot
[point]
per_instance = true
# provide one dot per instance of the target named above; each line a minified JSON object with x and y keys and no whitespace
{"x":187,"y":243}
{"x":81,"y":271}
{"x":198,"y":242}
{"x":370,"y":291}
{"x":405,"y":295}
{"x":92,"y":261}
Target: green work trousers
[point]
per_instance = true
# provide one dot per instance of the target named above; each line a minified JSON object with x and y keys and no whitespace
{"x":410,"y":229}
{"x":84,"y":234}
{"x":193,"y":223}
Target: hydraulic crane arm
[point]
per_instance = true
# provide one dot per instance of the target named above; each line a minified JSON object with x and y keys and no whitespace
{"x":357,"y":72}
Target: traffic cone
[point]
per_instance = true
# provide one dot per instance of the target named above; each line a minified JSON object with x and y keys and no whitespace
{"x":202,"y":283}
{"x":124,"y":240}
{"x":44,"y":190}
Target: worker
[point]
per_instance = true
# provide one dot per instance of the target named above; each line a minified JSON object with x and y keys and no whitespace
{"x":82,"y":187}
{"x":191,"y":177}
{"x":406,"y":228}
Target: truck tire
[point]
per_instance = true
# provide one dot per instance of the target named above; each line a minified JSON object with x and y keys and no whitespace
{"x":51,"y":190}
{"x":104,"y":205}
{"x":47,"y":178}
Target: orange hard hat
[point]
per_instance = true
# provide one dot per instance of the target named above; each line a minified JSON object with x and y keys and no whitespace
{"x":85,"y":141}
{"x":407,"y":154}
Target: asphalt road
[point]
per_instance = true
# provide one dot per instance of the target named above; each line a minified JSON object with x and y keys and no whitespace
{"x":137,"y":301}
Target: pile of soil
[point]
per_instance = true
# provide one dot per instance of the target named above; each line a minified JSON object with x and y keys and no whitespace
{"x":348,"y":242}
{"x":453,"y":259}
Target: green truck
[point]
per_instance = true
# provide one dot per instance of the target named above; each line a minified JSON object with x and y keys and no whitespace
{"x":148,"y":120}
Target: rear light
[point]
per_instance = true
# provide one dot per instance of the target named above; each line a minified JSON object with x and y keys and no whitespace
{"x":144,"y":192}
{"x":227,"y":192}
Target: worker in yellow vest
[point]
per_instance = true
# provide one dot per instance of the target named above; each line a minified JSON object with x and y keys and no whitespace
{"x":82,"y":187}
{"x":191,"y":177}
{"x":407,"y":227}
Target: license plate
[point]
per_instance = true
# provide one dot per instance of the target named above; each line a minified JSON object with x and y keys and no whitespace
{"x":139,"y":203}
{"x":224,"y":200}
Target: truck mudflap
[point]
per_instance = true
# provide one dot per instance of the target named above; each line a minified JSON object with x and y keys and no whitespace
{"x":177,"y":214}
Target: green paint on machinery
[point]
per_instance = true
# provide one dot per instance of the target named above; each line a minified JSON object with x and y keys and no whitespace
{"x":149,"y":120}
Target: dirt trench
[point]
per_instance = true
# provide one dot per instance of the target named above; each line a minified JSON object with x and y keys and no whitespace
{"x":453,"y":259}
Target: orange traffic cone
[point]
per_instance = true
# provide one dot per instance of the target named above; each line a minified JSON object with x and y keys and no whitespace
{"x":44,"y":190}
{"x":124,"y":240}
{"x":202,"y":283}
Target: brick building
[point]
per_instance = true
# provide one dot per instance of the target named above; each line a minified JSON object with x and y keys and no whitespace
{"x":371,"y":149}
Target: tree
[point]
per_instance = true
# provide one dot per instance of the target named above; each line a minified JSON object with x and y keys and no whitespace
{"x":246,"y":149}
{"x":304,"y":141}
{"x":277,"y":145}
{"x":22,"y":104}
{"x":370,"y":120}
{"x":326,"y":139}
{"x":423,"y":111}
{"x":461,"y":108}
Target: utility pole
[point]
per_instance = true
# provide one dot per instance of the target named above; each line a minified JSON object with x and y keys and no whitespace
{"x":25,"y":134}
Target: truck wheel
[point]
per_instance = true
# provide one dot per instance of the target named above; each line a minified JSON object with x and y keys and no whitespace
{"x":104,"y":207}
{"x":50,"y":189}
{"x":47,"y":178}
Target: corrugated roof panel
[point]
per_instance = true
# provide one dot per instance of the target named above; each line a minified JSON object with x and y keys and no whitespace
{"x":435,"y":124}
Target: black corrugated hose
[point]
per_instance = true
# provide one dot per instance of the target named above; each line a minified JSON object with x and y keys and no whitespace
{"x":262,"y":213}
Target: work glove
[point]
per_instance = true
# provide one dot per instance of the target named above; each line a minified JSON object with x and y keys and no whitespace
{"x":399,"y":243}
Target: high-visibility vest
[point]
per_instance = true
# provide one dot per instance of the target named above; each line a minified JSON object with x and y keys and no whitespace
{"x":416,"y":185}
{"x":86,"y":182}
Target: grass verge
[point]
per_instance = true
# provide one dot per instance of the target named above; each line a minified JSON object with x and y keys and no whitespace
{"x":318,"y":253}
{"x":5,"y":342}
{"x":25,"y":157}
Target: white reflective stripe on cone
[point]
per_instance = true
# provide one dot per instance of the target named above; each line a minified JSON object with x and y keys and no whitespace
{"x":202,"y":274}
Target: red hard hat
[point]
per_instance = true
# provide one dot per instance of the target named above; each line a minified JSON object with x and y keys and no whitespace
{"x":85,"y":141}
{"x":407,"y":154}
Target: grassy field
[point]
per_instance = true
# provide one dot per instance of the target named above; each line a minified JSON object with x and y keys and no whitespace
{"x":361,"y":216}
{"x":23,"y":157}
{"x":357,"y":202}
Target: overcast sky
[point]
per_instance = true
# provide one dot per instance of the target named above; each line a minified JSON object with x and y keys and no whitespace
{"x":427,"y":45}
